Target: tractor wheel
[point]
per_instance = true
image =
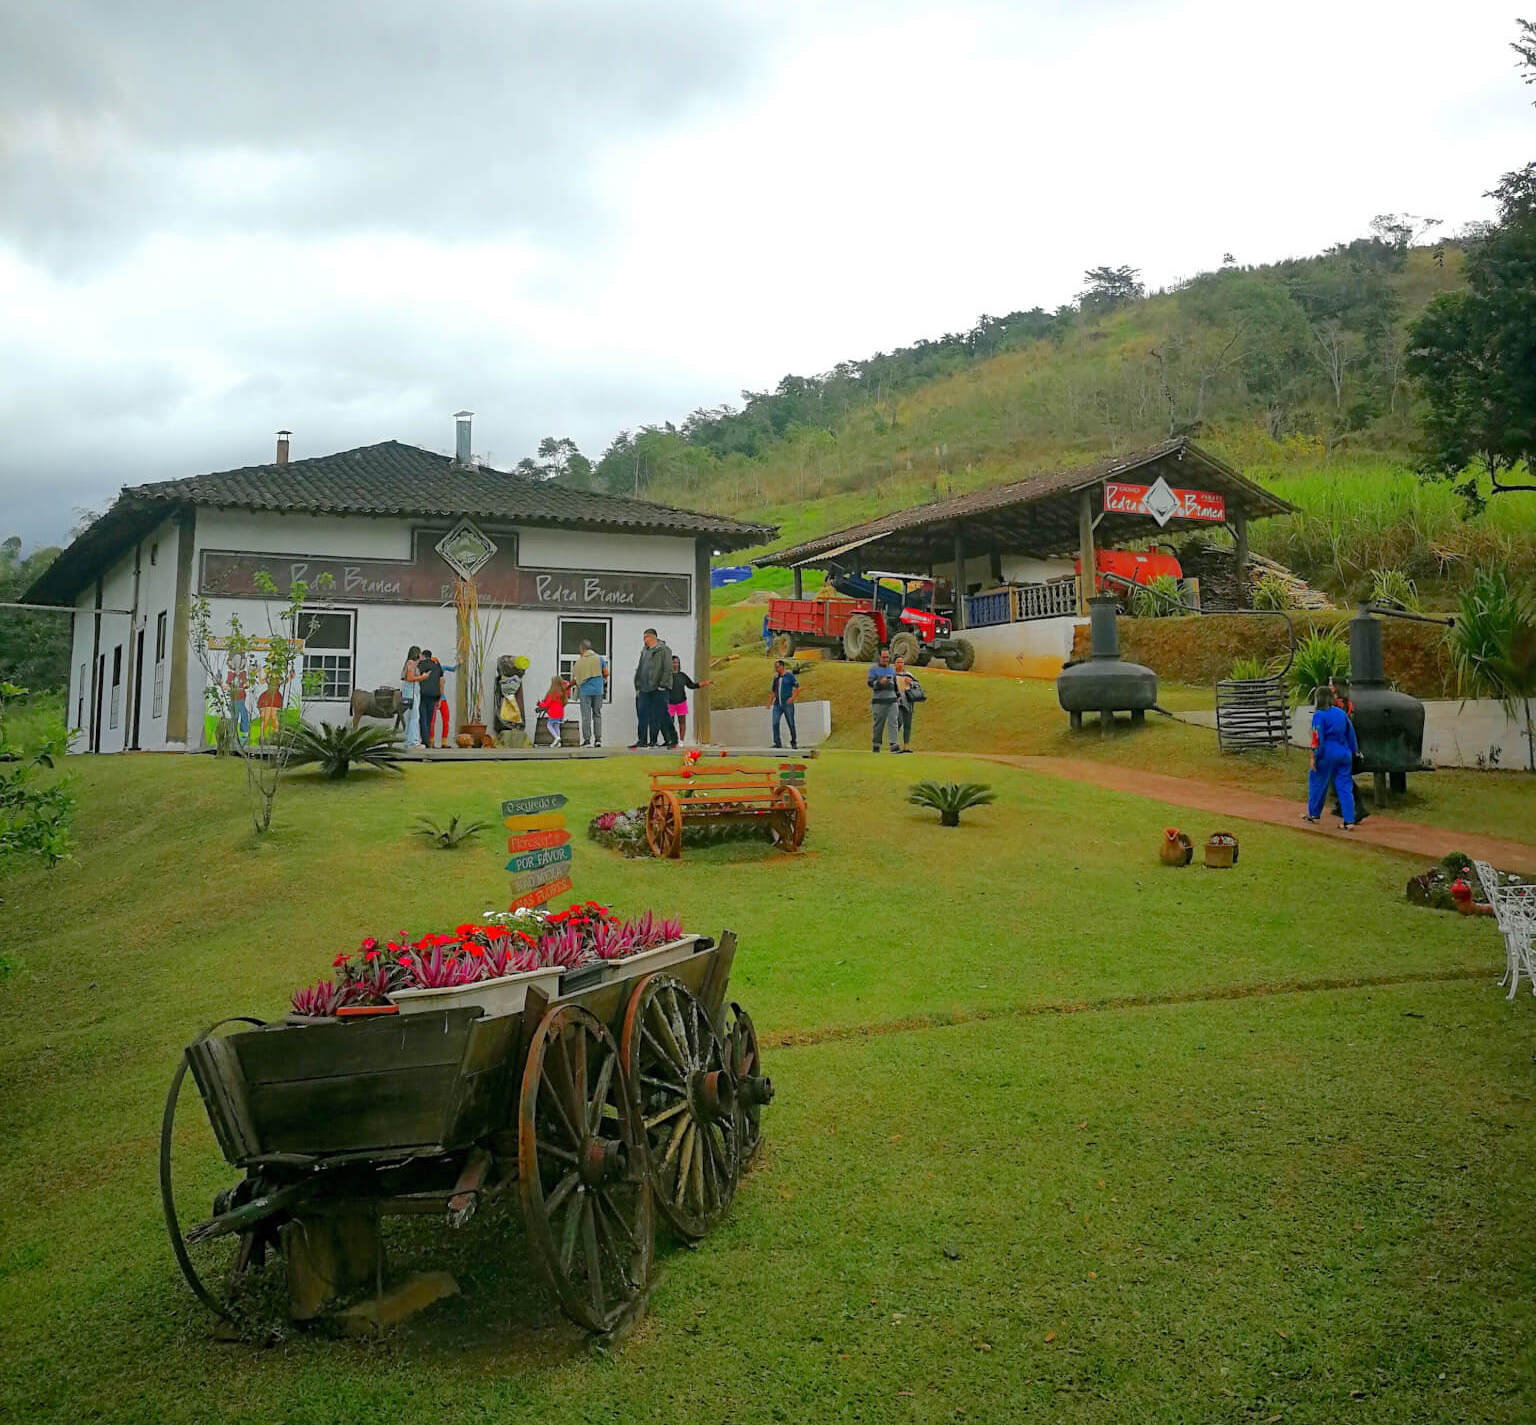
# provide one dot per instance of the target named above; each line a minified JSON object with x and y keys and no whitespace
{"x":906,"y":647}
{"x":925,"y":656}
{"x":783,"y":645}
{"x":861,"y":639}
{"x":961,"y":657}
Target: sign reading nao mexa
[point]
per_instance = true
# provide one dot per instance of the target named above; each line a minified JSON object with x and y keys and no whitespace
{"x":1163,"y":502}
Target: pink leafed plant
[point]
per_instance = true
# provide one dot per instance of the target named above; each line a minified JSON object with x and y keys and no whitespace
{"x":613,"y":941}
{"x":671,"y":929}
{"x":318,"y":1000}
{"x":562,"y":948}
{"x":645,"y":931}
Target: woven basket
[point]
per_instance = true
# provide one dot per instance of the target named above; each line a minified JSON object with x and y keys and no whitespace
{"x":1221,"y":851}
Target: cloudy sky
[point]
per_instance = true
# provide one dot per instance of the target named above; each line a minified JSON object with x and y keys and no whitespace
{"x":351,"y":219}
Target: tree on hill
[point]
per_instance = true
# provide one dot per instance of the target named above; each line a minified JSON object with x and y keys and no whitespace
{"x":34,"y":647}
{"x":558,"y":459}
{"x":1474,"y":355}
{"x":1110,"y":288}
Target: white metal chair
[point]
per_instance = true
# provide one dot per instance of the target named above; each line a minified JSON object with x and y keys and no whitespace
{"x":1514,"y":910}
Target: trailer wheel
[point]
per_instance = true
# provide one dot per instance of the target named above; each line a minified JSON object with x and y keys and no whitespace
{"x":581,"y":1170}
{"x":783,"y":645}
{"x":861,"y":639}
{"x":906,"y":647}
{"x":961,"y":656}
{"x":684,"y":1093}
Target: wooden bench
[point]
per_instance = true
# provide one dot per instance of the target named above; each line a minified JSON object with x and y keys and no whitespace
{"x":712,"y":795}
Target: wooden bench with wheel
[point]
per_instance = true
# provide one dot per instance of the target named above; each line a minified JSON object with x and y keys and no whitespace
{"x":713,"y":795}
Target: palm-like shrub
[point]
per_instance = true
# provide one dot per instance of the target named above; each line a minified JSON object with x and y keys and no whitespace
{"x":1249,"y":669}
{"x":1272,"y":594}
{"x":1493,"y":646}
{"x":1393,"y":589}
{"x":1319,"y":657}
{"x":949,"y":799}
{"x":1159,"y":599}
{"x":450,"y":837}
{"x":335,"y":748}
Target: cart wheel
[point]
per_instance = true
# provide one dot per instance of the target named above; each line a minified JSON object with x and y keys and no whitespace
{"x":664,"y":825}
{"x":581,"y":1170}
{"x":754,"y":1088}
{"x":788,"y":817}
{"x":677,"y":1071}
{"x":215,"y":1268}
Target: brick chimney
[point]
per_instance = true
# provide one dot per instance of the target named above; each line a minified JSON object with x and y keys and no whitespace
{"x":282,"y":446}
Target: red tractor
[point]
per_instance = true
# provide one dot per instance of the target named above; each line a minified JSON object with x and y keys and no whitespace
{"x":878,"y":610}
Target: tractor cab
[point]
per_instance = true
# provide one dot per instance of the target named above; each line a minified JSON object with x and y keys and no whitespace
{"x":902,"y":600}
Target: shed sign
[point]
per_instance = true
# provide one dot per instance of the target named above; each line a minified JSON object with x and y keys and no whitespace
{"x":1163,"y":502}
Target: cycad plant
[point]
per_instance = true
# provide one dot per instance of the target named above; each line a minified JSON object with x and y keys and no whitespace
{"x":1319,"y":657}
{"x":949,"y":799}
{"x":1493,"y":647}
{"x":450,"y":837}
{"x":1249,"y":669}
{"x":1159,"y":599}
{"x":335,"y":748}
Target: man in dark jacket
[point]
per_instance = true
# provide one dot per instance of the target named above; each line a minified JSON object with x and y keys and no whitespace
{"x":653,"y":681}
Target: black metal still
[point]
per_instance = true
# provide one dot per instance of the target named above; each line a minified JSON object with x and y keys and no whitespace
{"x":1105,"y":683}
{"x":1389,"y":725}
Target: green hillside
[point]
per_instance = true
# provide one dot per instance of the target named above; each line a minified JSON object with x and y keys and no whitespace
{"x":1293,"y":372}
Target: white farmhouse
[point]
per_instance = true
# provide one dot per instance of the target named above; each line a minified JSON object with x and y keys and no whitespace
{"x":567,"y":565}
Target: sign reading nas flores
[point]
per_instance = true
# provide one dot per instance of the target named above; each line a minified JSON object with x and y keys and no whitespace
{"x":426,"y":578}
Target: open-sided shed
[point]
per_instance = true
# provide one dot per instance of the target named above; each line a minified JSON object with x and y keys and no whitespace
{"x":1127,"y":498}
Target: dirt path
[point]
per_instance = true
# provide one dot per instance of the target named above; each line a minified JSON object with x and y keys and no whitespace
{"x":1411,"y":837}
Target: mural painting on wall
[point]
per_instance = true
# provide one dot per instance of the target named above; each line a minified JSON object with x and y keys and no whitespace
{"x":428,"y":577}
{"x":259,"y":703}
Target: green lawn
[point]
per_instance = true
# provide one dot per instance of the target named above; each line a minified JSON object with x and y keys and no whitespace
{"x":1060,"y":1133}
{"x":1020,"y":716}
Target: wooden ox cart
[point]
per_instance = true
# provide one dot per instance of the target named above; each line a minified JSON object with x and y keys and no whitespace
{"x":715,"y":795}
{"x":620,"y":1097}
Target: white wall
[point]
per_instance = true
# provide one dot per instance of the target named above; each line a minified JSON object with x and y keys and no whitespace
{"x":1035,"y":649}
{"x":385,"y":631}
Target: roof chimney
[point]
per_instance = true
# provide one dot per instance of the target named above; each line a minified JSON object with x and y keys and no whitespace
{"x":282,"y":446}
{"x":461,"y":437}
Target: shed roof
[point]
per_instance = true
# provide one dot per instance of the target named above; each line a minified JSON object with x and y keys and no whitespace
{"x":1039,"y":514}
{"x":388,"y":479}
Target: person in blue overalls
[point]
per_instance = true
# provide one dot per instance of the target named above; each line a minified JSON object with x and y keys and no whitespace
{"x":1333,"y":758}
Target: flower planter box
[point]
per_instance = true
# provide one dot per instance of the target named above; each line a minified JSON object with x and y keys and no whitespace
{"x":646,"y":962}
{"x":504,"y":995}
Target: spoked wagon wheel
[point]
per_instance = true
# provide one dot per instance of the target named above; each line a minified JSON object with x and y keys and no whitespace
{"x":788,"y":818}
{"x":581,"y":1167}
{"x":215,"y":1268}
{"x":678,"y":1073}
{"x":754,"y":1089}
{"x":664,"y":825}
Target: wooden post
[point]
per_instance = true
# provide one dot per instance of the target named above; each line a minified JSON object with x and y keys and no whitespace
{"x":176,"y":720}
{"x":997,"y":565}
{"x":799,"y":582}
{"x":960,"y":622}
{"x":461,"y":658}
{"x":1085,"y":550}
{"x":1240,"y":539}
{"x":701,"y":638}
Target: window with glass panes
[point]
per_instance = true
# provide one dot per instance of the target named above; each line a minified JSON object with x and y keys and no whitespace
{"x":327,"y":636}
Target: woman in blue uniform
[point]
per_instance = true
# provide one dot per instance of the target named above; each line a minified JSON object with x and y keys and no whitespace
{"x":1333,"y":758}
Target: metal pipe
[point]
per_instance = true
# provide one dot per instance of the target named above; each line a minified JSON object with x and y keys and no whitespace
{"x":62,"y":609}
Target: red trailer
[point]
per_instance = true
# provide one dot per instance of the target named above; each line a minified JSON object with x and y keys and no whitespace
{"x":901,"y":618}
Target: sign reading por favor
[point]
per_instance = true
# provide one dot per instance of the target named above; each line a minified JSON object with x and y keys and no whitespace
{"x":1163,"y":502}
{"x":537,"y":860}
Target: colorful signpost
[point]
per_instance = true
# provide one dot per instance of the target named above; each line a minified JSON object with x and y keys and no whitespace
{"x":540,"y":848}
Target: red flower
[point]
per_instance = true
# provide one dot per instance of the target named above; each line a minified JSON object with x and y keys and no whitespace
{"x":393,"y":945}
{"x":473,"y":949}
{"x":340,"y":960}
{"x":370,"y":955}
{"x":462,"y":930}
{"x":405,"y":959}
{"x":370,"y":944}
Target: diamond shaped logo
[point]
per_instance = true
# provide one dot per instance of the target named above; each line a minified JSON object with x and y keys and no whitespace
{"x":466,"y":550}
{"x":1160,"y":502}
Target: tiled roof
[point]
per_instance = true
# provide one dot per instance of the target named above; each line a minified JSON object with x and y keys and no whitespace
{"x":389,"y":479}
{"x":396,"y":479}
{"x":1040,"y":510}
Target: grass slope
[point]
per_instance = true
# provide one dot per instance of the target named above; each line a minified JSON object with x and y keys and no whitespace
{"x":1020,"y":716}
{"x":973,"y":1203}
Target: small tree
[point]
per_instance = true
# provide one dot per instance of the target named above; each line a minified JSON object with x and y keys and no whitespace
{"x":34,"y":815}
{"x":281,"y":648}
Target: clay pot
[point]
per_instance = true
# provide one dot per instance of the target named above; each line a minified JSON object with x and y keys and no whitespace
{"x":464,"y":740}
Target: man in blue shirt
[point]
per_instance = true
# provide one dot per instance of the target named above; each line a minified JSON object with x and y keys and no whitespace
{"x":884,"y":699}
{"x":786,"y":688}
{"x":1333,"y":758}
